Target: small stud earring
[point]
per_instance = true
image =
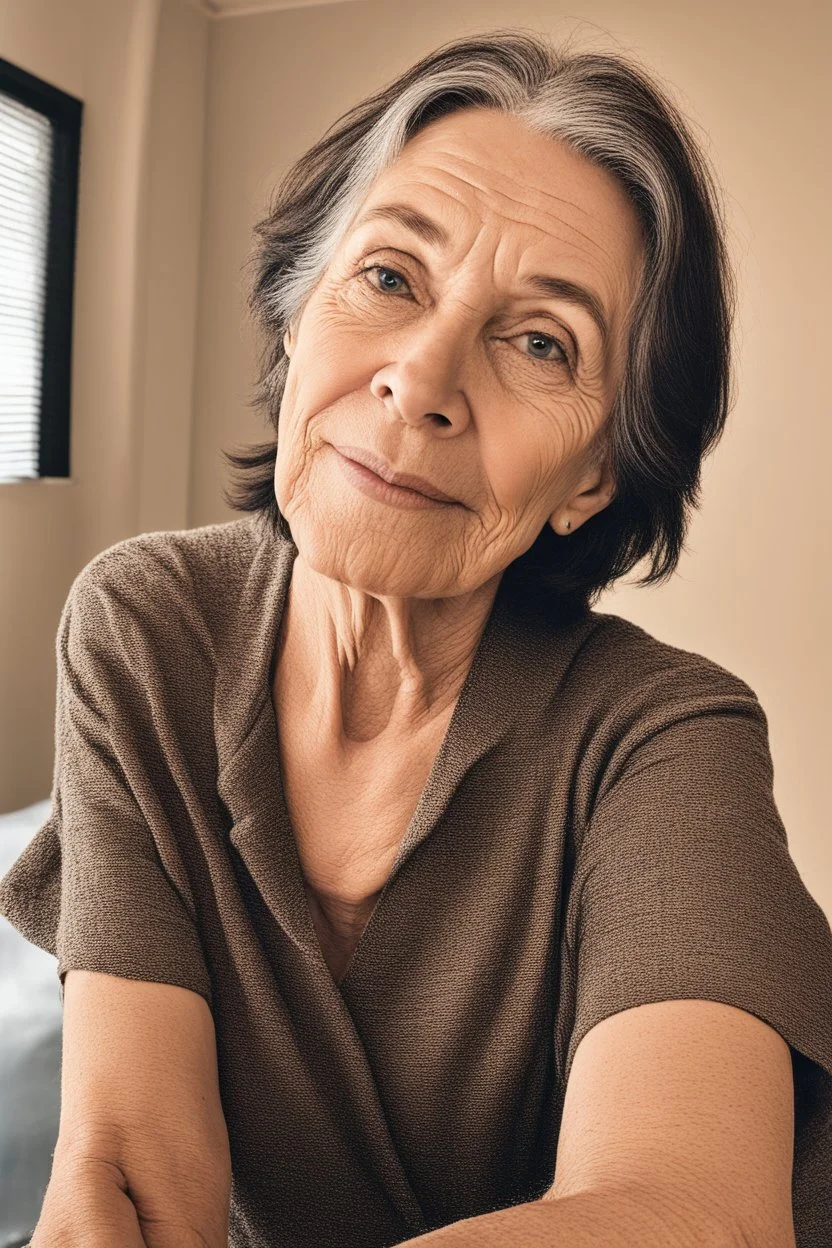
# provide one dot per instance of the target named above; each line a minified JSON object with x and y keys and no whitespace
{"x":568,"y":525}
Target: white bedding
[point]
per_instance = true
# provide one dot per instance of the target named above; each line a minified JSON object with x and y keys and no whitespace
{"x":30,"y":1054}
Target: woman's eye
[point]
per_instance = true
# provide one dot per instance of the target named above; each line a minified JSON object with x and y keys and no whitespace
{"x":535,"y":335}
{"x":560,"y":361}
{"x":381,"y":268}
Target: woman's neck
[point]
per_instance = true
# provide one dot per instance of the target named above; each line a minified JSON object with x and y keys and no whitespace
{"x":367,"y":668}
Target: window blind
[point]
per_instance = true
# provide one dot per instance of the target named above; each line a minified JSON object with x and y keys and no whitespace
{"x":25,"y":171}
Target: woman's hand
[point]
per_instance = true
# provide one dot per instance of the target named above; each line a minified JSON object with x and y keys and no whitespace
{"x":87,"y":1204}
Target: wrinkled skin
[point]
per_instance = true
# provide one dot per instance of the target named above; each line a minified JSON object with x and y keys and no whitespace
{"x":436,"y":364}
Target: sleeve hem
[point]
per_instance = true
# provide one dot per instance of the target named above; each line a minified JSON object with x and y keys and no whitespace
{"x":176,"y":976}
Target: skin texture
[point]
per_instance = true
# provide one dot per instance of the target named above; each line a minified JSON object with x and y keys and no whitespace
{"x":439,"y":370}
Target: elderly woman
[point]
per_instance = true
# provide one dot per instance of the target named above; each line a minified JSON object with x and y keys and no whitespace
{"x":398,"y":895}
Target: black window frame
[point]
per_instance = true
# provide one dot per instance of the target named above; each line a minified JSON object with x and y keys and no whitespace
{"x":65,"y":113}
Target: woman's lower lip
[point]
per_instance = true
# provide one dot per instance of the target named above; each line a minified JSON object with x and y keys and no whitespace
{"x":375,"y":487}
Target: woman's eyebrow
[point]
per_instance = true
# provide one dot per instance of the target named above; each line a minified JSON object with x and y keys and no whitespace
{"x":435,"y":235}
{"x":412,"y":219}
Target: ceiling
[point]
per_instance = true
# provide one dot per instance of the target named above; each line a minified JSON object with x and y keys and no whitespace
{"x":242,"y":8}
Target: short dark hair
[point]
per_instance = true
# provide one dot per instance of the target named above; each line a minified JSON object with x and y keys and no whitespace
{"x":675,"y":394}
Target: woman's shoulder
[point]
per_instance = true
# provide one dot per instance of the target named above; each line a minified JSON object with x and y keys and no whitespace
{"x":173,"y":574}
{"x":163,"y":598}
{"x":178,"y":556}
{"x":637,"y":667}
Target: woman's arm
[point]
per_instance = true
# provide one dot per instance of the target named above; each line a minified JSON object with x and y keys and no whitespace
{"x":86,"y":1203}
{"x":142,"y":1151}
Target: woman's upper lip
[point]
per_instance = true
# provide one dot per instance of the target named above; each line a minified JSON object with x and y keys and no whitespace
{"x":382,"y":469}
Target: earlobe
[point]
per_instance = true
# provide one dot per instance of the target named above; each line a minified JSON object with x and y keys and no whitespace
{"x":562,"y":528}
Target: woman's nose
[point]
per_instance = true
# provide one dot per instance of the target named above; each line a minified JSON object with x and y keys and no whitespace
{"x":424,"y":375}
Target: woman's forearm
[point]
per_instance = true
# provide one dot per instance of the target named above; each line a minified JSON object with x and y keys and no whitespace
{"x":107,"y":1191}
{"x":613,"y":1219}
{"x":86,"y":1202}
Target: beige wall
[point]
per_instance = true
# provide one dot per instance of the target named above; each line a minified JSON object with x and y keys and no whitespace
{"x":139,"y":67}
{"x":164,"y":354}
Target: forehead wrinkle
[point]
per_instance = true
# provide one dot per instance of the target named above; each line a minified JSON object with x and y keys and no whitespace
{"x":549,"y":195}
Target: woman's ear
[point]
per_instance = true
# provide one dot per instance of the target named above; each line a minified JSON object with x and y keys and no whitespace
{"x":585,"y":503}
{"x":287,"y":341}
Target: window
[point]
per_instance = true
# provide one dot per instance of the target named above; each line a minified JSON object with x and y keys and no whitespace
{"x":40,"y":132}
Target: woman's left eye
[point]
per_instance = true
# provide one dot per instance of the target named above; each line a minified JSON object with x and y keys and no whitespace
{"x":536,"y":333}
{"x":529,"y":333}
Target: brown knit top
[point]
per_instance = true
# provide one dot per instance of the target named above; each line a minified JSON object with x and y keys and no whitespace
{"x":598,"y":831}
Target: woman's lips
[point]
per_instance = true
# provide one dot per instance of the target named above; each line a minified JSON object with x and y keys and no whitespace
{"x":372,"y":484}
{"x":382,"y":469}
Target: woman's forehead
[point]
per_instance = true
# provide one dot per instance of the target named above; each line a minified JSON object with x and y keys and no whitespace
{"x":509,"y":164}
{"x":567,"y":229}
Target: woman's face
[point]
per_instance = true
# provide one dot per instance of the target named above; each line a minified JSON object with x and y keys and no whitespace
{"x":434,"y":350}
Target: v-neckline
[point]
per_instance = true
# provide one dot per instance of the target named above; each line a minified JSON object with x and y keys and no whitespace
{"x":323,"y":921}
{"x":500,"y":682}
{"x":410,"y":833}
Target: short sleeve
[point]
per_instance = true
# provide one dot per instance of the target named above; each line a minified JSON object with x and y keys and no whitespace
{"x":101,"y":884}
{"x":684,"y":887}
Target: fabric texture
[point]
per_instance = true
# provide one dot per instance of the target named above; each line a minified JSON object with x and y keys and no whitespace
{"x":598,"y":831}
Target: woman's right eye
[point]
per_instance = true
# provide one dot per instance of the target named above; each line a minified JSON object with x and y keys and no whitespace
{"x":384,"y":269}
